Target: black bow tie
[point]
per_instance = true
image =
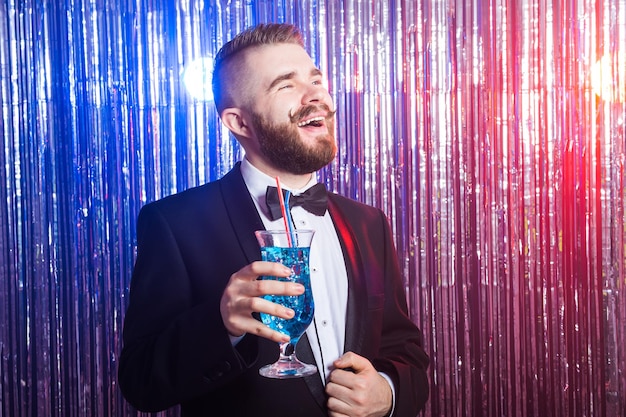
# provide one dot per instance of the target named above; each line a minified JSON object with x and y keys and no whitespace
{"x":313,"y":200}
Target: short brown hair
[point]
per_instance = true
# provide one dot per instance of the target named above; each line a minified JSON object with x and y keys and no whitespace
{"x":224,"y":72}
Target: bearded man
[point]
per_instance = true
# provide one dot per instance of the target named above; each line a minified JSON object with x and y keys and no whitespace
{"x":191,"y":332}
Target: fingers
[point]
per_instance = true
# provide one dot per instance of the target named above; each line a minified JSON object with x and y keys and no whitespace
{"x":347,"y":368}
{"x":252,"y":271}
{"x":355,"y":388}
{"x":344,"y":395}
{"x":350,"y":361}
{"x":242,"y":298}
{"x":366,"y":394}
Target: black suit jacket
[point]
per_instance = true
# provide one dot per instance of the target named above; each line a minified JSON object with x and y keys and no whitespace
{"x":176,"y":348}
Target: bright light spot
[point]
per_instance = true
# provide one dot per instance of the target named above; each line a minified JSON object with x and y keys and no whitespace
{"x":608,"y":78}
{"x":197,"y":79}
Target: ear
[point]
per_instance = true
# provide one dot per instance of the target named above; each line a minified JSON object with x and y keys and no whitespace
{"x":235,"y":120}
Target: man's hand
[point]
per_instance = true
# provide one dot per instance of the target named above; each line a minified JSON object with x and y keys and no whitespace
{"x":356,"y":389}
{"x":242,"y":297}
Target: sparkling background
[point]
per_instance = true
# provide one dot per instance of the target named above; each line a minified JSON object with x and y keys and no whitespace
{"x":491,"y":132}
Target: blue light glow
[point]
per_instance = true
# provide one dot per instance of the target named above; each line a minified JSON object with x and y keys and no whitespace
{"x":197,"y":79}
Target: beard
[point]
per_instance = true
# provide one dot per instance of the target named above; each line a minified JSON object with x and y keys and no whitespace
{"x":281,"y":144}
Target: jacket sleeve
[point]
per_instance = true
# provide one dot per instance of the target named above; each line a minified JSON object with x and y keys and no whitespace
{"x":402,"y":355}
{"x":175,"y":344}
{"x":393,"y":343}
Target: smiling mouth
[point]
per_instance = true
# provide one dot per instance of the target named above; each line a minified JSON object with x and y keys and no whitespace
{"x":314,"y":121}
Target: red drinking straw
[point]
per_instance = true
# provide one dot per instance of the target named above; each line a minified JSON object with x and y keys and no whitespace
{"x":284,"y":211}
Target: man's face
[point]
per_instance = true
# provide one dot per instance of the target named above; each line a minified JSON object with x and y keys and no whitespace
{"x":292,"y":117}
{"x":284,"y":148}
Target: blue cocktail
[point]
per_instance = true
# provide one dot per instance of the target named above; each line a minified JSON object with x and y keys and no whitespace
{"x":293,"y":252}
{"x":298,"y":260}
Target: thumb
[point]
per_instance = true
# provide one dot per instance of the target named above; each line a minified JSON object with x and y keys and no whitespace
{"x":350,"y":361}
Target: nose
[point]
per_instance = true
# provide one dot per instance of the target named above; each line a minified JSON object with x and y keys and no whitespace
{"x":316,"y":93}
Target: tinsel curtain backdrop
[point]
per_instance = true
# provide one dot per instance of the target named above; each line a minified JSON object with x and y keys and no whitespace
{"x":491,"y":132}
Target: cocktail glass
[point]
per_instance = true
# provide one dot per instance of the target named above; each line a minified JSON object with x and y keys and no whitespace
{"x":292,"y":250}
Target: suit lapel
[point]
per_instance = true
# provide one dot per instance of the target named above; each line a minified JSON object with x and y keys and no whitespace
{"x":314,"y":382}
{"x":357,"y":290}
{"x":244,"y":218}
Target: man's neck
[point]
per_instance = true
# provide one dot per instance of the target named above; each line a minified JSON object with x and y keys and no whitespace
{"x":287,"y":179}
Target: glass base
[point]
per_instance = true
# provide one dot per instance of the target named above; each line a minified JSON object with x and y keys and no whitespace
{"x":287,"y":368}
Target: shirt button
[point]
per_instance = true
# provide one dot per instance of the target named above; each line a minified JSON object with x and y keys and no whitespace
{"x":324,"y":323}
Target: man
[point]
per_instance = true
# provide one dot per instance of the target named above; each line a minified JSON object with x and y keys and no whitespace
{"x":190,"y":332}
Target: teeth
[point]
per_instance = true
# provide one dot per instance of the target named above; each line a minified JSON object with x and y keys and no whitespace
{"x":309,"y":121}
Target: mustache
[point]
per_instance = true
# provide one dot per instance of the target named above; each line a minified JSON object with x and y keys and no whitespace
{"x":310,"y":109}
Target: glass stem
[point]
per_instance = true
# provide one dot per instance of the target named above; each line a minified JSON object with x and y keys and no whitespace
{"x":287,"y":351}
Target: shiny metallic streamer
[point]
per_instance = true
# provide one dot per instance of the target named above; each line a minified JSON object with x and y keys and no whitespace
{"x":492,"y":134}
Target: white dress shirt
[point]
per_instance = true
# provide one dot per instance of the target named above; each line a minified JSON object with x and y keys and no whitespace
{"x":329,"y":278}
